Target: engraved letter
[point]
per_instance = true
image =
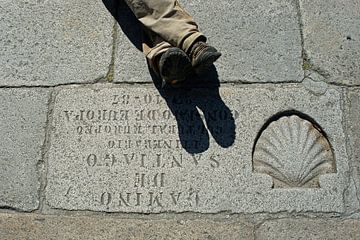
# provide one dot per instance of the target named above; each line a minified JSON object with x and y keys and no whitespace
{"x":115,"y":100}
{"x":215,"y":163}
{"x":147,"y":98}
{"x":138,"y":199}
{"x":175,"y":161}
{"x":91,"y":160}
{"x":155,"y":199}
{"x":175,"y":198}
{"x":139,"y":180}
{"x":90,"y":115}
{"x":196,"y":159}
{"x":123,"y":201}
{"x":158,"y":161}
{"x":110,"y":158}
{"x":106,"y":199}
{"x":159,"y":182}
{"x":127,"y":159}
{"x":111,"y":144}
{"x":68,"y":114}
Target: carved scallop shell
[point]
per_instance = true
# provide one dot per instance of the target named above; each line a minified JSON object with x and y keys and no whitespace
{"x":294,"y":152}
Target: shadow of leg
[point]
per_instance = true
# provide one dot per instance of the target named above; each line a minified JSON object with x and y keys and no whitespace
{"x":185,"y":104}
{"x":193,"y":134}
{"x":219,"y":119}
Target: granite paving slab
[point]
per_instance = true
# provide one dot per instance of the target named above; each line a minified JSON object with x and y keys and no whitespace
{"x":54,"y":42}
{"x":331,"y":40}
{"x":301,"y":229}
{"x":22,"y":130}
{"x":42,"y":227}
{"x":353,"y":127}
{"x":136,"y":149}
{"x":260,"y":40}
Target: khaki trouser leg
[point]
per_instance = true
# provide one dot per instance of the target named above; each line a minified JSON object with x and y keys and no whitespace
{"x":169,"y":21}
{"x":153,"y":45}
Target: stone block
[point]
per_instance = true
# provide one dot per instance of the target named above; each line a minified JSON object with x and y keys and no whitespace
{"x":134,"y":149}
{"x":40,"y":227}
{"x":22,"y":130}
{"x":54,"y":42}
{"x":353,"y":133}
{"x":315,"y":229}
{"x":331,"y":39}
{"x":260,"y":41}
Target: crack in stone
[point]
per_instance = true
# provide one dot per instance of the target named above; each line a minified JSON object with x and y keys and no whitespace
{"x":125,"y":83}
{"x":308,"y":66}
{"x":301,"y":26}
{"x":43,"y":165}
{"x":111,"y":72}
{"x":189,"y":214}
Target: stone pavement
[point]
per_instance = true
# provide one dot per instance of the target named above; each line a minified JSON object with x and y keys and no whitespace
{"x":263,"y":146}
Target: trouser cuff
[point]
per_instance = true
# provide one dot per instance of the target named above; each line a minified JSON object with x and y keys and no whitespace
{"x":188,"y":42}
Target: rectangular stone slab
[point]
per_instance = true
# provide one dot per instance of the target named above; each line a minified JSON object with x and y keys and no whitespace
{"x":331,"y":39}
{"x":54,"y":42}
{"x":42,"y":227}
{"x":22,"y":129}
{"x":134,"y":149}
{"x":353,"y":126}
{"x":260,"y":41}
{"x":302,"y":229}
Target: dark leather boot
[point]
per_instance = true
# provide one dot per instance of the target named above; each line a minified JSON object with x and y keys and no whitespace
{"x":203,"y":56}
{"x":174,"y":66}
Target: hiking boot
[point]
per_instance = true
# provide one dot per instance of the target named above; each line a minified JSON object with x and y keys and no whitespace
{"x":174,"y":67}
{"x":203,"y":56}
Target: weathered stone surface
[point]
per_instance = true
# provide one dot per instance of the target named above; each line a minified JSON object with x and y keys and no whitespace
{"x":315,"y":229}
{"x":129,"y":149}
{"x":260,"y":41}
{"x":353,"y":127}
{"x":22,"y":131}
{"x":331,"y":39}
{"x":40,"y":227}
{"x":130,"y":63}
{"x":53,"y":42}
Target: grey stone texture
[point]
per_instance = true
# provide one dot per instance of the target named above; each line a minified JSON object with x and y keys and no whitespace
{"x":130,"y":63}
{"x":133,"y":149}
{"x":353,"y":133}
{"x":314,"y":229}
{"x":54,"y":42}
{"x":100,"y":160}
{"x":260,"y":41}
{"x":331,"y":39}
{"x":41,"y":227}
{"x":22,"y":130}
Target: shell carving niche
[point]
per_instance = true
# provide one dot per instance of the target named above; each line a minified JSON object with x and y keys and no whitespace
{"x":294,"y":152}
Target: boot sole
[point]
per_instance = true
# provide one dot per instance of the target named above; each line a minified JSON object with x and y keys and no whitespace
{"x":175,"y":66}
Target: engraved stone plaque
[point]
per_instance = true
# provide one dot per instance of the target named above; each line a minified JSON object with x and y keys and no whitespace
{"x":135,"y":149}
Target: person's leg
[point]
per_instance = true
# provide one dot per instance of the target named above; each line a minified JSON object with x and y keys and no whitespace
{"x":153,"y":47}
{"x":169,"y":20}
{"x":168,"y":62}
{"x":168,"y":25}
